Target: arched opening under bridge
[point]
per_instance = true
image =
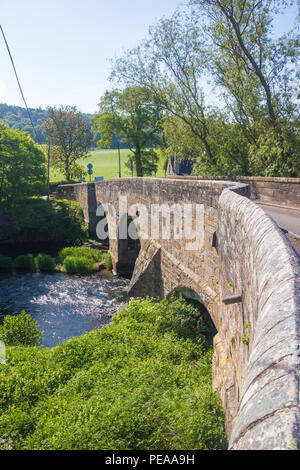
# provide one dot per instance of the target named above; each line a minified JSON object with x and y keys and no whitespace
{"x":203,"y":321}
{"x":129,"y":245}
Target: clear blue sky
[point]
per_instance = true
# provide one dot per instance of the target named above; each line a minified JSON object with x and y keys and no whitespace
{"x":61,"y":47}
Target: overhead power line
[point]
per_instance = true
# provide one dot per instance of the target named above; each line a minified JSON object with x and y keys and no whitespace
{"x":20,"y":88}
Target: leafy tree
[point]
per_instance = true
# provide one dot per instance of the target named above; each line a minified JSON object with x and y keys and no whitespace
{"x":17,"y":118}
{"x":225,"y":139}
{"x":22,"y":166}
{"x":170,"y":65}
{"x":70,"y":138}
{"x":229,"y":41}
{"x":256,"y":73}
{"x":132,"y":115}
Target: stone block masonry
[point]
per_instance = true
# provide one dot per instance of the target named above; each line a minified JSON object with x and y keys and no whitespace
{"x":281,"y":190}
{"x":244,"y":255}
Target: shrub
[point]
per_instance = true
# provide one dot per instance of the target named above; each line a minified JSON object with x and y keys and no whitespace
{"x":23,"y":164}
{"x":82,"y":252}
{"x":20,"y":330}
{"x":185,"y":319}
{"x":44,"y":263}
{"x":78,"y":265}
{"x":37,"y":220}
{"x":25,"y":263}
{"x":107,"y":258}
{"x":6,"y":263}
{"x":129,"y":385}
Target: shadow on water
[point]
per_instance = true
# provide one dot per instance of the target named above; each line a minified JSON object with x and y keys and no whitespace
{"x":64,"y":306}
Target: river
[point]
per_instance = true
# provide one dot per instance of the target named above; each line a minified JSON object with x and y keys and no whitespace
{"x":64,"y":306}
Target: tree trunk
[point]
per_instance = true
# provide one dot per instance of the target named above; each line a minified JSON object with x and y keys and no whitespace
{"x":67,"y":170}
{"x":138,"y":162}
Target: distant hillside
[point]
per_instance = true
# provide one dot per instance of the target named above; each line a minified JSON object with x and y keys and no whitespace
{"x":16,"y":117}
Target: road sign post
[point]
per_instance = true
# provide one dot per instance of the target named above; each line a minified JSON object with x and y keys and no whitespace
{"x":90,"y":170}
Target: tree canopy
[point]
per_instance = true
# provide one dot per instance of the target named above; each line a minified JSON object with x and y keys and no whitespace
{"x":131,"y":114}
{"x":22,"y":166}
{"x":255,"y":128}
{"x":70,"y":138}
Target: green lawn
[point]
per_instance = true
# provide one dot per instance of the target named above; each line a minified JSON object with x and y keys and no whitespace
{"x":106,"y":164}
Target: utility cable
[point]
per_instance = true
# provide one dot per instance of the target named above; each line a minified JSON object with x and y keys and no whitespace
{"x":20,"y":88}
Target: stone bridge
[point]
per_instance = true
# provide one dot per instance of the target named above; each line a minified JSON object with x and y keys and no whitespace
{"x":245,"y":273}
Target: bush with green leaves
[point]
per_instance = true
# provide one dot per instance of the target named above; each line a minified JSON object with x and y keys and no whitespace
{"x":20,"y":330}
{"x":35,"y":220}
{"x":78,"y":265}
{"x":135,"y":384}
{"x":82,"y":252}
{"x":6,"y":263}
{"x":108,"y":261}
{"x":44,"y":263}
{"x":22,"y":166}
{"x":25,"y":263}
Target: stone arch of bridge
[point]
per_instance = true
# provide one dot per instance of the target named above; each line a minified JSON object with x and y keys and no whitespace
{"x":192,"y":296}
{"x":128,"y":245}
{"x":102,"y":225}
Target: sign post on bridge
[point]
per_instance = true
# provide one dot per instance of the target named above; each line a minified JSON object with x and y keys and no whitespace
{"x":90,"y":170}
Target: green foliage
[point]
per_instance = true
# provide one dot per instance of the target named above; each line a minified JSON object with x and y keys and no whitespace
{"x":38,"y":220}
{"x":182,"y":318}
{"x":107,"y":258}
{"x":44,"y":263}
{"x":81,"y":251}
{"x":20,"y":330}
{"x":245,"y":339}
{"x":255,"y":129}
{"x":78,"y":265}
{"x":133,"y":115}
{"x":128,"y":385}
{"x":17,"y":118}
{"x":25,"y":263}
{"x":70,"y":138}
{"x":22,"y":166}
{"x":6,"y":263}
{"x":81,"y":260}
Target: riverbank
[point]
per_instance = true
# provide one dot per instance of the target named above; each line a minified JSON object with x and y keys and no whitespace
{"x":64,"y":306}
{"x":143,"y":382}
{"x":36,"y":222}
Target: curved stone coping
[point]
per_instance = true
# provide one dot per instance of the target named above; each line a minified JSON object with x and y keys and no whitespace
{"x":269,"y":413}
{"x":176,"y":179}
{"x":269,"y":179}
{"x":282,"y":190}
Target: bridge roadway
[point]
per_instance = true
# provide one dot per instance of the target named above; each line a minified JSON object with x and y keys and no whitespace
{"x":287,"y":219}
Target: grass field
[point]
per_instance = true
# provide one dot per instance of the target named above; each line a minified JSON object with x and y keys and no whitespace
{"x":106,"y":164}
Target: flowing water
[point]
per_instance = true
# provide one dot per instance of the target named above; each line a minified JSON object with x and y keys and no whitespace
{"x":64,"y":306}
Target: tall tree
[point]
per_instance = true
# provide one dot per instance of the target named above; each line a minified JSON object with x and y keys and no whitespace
{"x":257,"y":74}
{"x":131,"y":114}
{"x":229,"y":41}
{"x":171,"y":65}
{"x":70,"y":138}
{"x":22,"y":166}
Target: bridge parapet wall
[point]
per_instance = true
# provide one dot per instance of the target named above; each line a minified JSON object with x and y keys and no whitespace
{"x":281,"y":190}
{"x":257,"y":261}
